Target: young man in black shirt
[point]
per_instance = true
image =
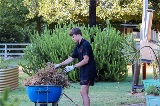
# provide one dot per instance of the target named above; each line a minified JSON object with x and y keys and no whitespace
{"x":82,"y":51}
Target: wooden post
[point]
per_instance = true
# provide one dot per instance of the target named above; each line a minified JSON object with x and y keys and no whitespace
{"x":136,"y":73}
{"x":144,"y":71}
{"x":135,"y":77}
{"x":132,"y":70}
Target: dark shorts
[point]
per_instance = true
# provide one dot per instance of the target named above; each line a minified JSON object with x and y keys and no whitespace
{"x":87,"y":82}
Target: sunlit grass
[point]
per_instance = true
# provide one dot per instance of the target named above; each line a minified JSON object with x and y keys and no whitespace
{"x":101,"y":94}
{"x":16,"y":61}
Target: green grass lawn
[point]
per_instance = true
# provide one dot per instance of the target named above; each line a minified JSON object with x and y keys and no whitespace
{"x":101,"y":94}
{"x":16,"y":61}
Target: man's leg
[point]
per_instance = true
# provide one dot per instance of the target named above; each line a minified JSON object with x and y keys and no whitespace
{"x":84,"y":93}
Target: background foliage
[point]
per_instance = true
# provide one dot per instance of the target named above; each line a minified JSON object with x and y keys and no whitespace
{"x":6,"y":101}
{"x":13,"y":25}
{"x":59,"y":46}
{"x":106,"y":47}
{"x":78,"y":10}
{"x":18,"y":17}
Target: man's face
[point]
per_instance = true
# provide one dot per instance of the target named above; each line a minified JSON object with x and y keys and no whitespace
{"x":75,"y":38}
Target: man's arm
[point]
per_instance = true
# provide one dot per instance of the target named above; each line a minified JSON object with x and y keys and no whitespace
{"x":67,"y":61}
{"x":83,"y":62}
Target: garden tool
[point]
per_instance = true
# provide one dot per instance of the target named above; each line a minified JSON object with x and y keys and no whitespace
{"x":70,"y":99}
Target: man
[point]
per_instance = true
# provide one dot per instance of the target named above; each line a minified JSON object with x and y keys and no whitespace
{"x":82,"y":51}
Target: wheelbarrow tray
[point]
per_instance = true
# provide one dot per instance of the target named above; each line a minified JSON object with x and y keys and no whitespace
{"x":44,"y":93}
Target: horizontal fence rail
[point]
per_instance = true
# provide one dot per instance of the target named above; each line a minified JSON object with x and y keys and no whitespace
{"x":12,"y":49}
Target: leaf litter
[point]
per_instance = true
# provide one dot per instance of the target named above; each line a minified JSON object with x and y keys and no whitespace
{"x":48,"y":76}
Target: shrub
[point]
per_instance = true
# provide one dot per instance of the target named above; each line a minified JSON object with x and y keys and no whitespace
{"x":110,"y":65}
{"x":152,"y":90}
{"x":6,"y":101}
{"x":129,"y":50}
{"x":48,"y":47}
{"x":57,"y":47}
{"x":3,"y":63}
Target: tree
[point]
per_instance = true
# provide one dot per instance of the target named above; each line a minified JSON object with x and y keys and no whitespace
{"x":155,"y":5}
{"x":13,"y":24}
{"x":120,"y":10}
{"x":63,"y":11}
{"x":56,"y":10}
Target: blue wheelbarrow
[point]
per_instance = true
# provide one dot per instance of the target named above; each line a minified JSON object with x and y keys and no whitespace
{"x":44,"y":94}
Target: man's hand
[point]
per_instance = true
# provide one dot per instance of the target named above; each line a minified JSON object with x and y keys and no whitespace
{"x":56,"y":66}
{"x":69,"y":68}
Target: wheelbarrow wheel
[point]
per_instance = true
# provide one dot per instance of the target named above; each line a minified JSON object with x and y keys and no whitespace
{"x":53,"y":104}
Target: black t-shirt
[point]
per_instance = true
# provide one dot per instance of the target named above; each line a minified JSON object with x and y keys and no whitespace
{"x":88,"y":71}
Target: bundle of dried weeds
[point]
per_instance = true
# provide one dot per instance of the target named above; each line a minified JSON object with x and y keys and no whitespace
{"x":48,"y":76}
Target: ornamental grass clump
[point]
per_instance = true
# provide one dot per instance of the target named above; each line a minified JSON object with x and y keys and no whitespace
{"x":153,"y":90}
{"x":3,"y":63}
{"x":48,"y":76}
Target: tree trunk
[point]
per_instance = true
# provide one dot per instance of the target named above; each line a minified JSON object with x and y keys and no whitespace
{"x":38,"y":28}
{"x":158,"y":27}
{"x":92,"y":13}
{"x":92,"y":16}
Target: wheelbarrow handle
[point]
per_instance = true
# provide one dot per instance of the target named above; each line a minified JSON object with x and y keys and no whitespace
{"x":70,"y":99}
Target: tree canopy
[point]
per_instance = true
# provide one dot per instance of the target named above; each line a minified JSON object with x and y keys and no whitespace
{"x":57,"y":10}
{"x":13,"y":25}
{"x":155,"y":5}
{"x":78,"y":10}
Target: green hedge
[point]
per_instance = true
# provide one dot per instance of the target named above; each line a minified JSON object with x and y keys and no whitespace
{"x":107,"y":50}
{"x":59,"y":46}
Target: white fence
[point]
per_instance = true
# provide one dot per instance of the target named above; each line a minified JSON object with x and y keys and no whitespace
{"x":154,"y":35}
{"x":12,"y":49}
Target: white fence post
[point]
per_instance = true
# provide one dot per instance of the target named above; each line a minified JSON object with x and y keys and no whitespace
{"x":5,"y":51}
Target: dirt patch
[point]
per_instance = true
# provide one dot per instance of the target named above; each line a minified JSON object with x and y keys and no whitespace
{"x":20,"y":69}
{"x":139,"y":104}
{"x":137,"y":95}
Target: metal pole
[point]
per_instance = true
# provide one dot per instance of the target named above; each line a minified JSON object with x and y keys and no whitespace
{"x":148,"y":24}
{"x":144,"y":16}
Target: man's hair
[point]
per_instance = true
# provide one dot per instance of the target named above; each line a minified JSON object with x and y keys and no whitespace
{"x":75,"y":31}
